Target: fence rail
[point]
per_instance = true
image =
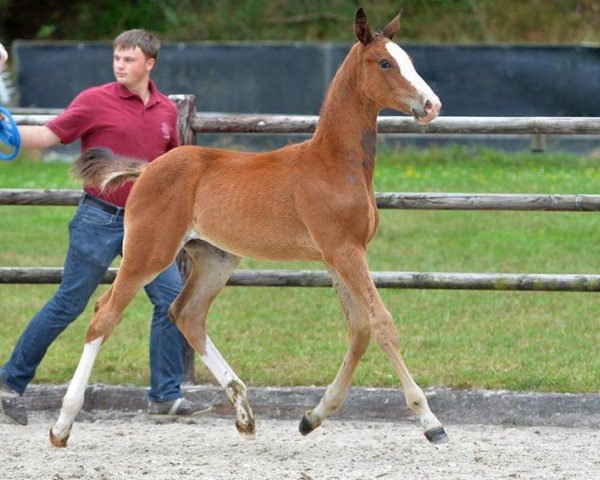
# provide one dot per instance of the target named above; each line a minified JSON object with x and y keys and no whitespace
{"x":312,"y":278}
{"x":402,"y":201}
{"x":206,"y":122}
{"x":228,"y":123}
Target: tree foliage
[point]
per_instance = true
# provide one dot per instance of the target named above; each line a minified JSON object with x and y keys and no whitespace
{"x":456,"y":21}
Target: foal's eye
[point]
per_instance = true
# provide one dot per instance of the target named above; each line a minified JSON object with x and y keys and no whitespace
{"x":384,"y":63}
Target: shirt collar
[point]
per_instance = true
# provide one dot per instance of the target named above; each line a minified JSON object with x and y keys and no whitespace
{"x":123,"y":92}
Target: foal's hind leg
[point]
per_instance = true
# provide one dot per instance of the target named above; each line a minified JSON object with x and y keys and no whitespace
{"x":212,"y":268}
{"x":351,"y":265}
{"x":137,"y":269}
{"x":359,"y":335}
{"x":107,"y":315}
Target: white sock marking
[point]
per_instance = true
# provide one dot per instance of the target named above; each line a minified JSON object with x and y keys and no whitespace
{"x":217,"y":364}
{"x":73,"y":399}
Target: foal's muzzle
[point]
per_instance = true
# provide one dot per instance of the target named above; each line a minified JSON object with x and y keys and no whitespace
{"x":426,"y":110}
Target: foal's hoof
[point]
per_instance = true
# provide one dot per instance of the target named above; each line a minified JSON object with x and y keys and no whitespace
{"x":246,"y":430}
{"x":59,"y":442}
{"x":437,"y":435}
{"x":245,"y":424}
{"x":305,"y":427}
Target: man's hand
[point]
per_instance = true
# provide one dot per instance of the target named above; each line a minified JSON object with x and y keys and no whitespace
{"x":3,"y":56}
{"x":39,"y":137}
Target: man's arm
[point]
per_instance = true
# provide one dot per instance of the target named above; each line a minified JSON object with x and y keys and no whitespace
{"x":38,"y":137}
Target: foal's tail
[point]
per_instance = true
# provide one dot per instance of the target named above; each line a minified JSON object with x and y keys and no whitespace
{"x":101,"y":168}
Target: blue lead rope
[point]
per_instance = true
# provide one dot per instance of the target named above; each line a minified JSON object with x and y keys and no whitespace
{"x":9,"y":136}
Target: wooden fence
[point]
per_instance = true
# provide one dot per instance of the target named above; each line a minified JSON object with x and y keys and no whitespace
{"x":191,"y":123}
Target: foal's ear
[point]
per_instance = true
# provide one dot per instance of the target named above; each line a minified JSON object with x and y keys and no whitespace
{"x":391,"y":28}
{"x":361,"y":26}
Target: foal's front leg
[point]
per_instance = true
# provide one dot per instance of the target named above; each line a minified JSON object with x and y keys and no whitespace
{"x":351,"y":265}
{"x":359,"y":335}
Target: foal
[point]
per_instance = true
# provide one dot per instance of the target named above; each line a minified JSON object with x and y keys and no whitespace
{"x":309,"y":201}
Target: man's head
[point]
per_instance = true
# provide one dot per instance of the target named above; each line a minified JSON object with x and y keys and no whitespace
{"x":135,"y":53}
{"x":144,"y":40}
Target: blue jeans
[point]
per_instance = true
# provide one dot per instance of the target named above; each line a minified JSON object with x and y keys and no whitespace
{"x":95,"y":239}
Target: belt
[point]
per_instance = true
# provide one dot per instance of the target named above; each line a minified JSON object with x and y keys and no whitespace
{"x":107,"y":207}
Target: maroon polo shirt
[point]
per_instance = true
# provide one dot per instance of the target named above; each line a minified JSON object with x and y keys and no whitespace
{"x":111,"y":116}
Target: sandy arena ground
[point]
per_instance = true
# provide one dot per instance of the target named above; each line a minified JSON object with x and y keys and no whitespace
{"x":111,"y":445}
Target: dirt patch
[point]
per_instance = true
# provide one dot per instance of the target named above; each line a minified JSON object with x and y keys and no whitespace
{"x":111,"y":445}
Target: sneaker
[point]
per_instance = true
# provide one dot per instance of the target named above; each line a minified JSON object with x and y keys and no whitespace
{"x":180,"y":407}
{"x":6,"y":391}
{"x":14,"y":410}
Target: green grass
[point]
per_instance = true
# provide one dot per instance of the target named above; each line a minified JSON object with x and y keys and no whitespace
{"x":296,"y":336}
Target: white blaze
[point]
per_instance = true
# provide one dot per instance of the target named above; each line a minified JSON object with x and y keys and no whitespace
{"x":408,"y":71}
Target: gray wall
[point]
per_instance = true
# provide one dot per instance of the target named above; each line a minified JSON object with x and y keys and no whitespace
{"x":292,"y":78}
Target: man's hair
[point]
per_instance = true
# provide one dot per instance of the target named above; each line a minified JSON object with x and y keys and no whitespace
{"x":148,"y":43}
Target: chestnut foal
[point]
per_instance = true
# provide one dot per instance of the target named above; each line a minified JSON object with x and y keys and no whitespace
{"x":309,"y":201}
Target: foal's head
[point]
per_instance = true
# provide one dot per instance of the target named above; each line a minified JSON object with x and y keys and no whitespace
{"x":389,"y":77}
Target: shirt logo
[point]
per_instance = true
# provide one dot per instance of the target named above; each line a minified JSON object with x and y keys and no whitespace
{"x":166,"y":131}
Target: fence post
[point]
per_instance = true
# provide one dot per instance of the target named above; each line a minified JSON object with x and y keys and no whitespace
{"x":538,"y":143}
{"x":186,"y":105}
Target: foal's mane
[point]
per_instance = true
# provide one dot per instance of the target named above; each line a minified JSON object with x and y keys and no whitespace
{"x":338,"y":124}
{"x":346,"y":78}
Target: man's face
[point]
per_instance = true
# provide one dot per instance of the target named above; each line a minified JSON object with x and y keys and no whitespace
{"x":131,"y":66}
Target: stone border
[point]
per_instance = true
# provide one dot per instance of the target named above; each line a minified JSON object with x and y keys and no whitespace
{"x":451,"y":406}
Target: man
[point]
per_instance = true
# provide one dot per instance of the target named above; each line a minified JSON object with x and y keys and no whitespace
{"x":133,"y":118}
